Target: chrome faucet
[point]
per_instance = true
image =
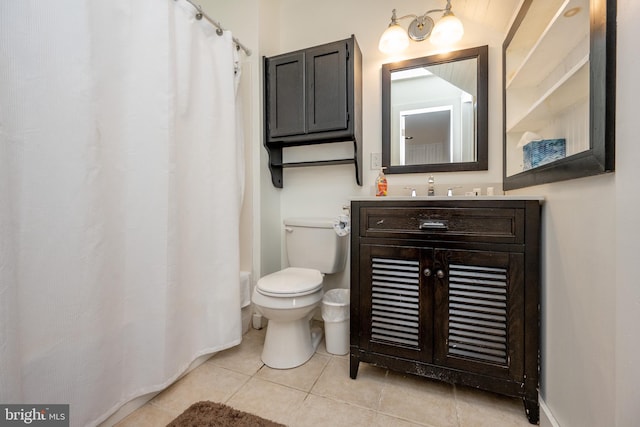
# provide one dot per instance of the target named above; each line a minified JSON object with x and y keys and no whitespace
{"x":413,"y":191}
{"x":450,"y":190}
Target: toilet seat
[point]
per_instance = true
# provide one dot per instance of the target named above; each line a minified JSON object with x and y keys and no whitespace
{"x":290,"y":282}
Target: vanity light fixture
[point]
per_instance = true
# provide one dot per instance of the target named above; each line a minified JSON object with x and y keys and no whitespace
{"x":446,"y":31}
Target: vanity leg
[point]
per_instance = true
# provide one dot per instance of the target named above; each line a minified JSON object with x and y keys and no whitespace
{"x":354,"y":364}
{"x":532,"y":408}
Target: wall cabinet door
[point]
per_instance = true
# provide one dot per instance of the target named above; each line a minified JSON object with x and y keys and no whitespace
{"x":308,"y":91}
{"x":287,"y":95}
{"x":479,"y":317}
{"x":326,"y":87}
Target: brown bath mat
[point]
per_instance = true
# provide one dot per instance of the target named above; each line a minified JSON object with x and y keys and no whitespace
{"x":211,"y":414}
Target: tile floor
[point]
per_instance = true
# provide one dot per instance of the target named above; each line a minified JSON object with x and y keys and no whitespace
{"x":320,"y":393}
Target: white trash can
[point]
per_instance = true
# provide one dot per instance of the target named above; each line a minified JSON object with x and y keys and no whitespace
{"x":335,"y":313}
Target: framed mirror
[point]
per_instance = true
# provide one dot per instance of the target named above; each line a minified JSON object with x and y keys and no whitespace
{"x":434,"y":113}
{"x":559,"y":92}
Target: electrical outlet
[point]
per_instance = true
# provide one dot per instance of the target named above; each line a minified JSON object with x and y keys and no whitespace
{"x":376,"y":161}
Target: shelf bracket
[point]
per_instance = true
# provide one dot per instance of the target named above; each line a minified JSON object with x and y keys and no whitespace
{"x":276,"y":165}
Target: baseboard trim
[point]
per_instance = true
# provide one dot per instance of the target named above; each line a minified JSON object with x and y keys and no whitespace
{"x":546,"y":417}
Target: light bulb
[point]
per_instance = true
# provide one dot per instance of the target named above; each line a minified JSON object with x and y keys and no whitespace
{"x":448,"y":30}
{"x":393,"y":40}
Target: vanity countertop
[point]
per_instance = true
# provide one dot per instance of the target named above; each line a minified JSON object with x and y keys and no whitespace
{"x":444,"y":198}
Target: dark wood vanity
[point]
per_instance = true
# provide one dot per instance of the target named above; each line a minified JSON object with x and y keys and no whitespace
{"x":448,"y":288}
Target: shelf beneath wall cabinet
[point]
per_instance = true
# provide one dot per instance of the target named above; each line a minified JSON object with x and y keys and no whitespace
{"x":316,"y":163}
{"x":277,"y":164}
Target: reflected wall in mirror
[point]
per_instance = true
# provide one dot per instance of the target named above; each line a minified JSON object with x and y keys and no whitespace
{"x":434,"y":113}
{"x":559,"y":91}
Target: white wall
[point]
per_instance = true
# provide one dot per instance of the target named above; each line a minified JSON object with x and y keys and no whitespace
{"x":269,"y":214}
{"x":591,"y":291}
{"x":627,"y":285}
{"x":241,"y":17}
{"x":255,"y":23}
{"x":591,"y":230}
{"x":324,"y":190}
{"x":578,"y":305}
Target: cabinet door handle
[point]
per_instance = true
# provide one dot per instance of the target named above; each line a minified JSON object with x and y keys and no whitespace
{"x":434,"y":225}
{"x":440,"y":274}
{"x":427,"y":272}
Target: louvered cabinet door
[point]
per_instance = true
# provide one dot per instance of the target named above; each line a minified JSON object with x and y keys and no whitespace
{"x":396,"y":298}
{"x":478,"y":312}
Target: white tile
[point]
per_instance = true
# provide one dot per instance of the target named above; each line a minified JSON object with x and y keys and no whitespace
{"x":244,"y":358}
{"x":317,"y":411}
{"x":321,"y":393}
{"x":419,"y":400}
{"x":206,"y":382}
{"x":477,"y":408}
{"x":301,"y":378}
{"x":268,"y":400}
{"x":383,"y":420}
{"x":336,"y":383}
{"x":147,"y":416}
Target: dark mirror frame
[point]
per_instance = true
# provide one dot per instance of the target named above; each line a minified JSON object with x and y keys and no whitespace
{"x":482,"y":55}
{"x":600,"y":157}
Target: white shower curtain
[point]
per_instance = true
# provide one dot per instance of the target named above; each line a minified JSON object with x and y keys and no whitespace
{"x":120,"y":192}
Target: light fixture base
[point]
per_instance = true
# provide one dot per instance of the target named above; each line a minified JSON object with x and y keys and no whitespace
{"x":420,"y":28}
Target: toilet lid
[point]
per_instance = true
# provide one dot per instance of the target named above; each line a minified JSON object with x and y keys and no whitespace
{"x":290,"y":281}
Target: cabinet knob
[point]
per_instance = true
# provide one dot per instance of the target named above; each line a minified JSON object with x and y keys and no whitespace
{"x":439,"y":274}
{"x":426,"y":272}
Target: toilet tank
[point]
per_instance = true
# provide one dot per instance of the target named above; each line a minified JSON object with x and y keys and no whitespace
{"x":313,"y":243}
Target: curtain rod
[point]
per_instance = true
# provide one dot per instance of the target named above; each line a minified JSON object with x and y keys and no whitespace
{"x":200,"y":14}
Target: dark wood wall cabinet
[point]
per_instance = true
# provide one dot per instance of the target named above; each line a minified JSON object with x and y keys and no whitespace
{"x":449,"y":289}
{"x":314,"y":96}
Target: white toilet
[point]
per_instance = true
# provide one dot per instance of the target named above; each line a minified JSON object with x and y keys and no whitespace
{"x":289,"y":297}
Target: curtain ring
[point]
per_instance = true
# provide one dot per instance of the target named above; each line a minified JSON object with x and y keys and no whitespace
{"x":219,"y":31}
{"x":199,"y":16}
